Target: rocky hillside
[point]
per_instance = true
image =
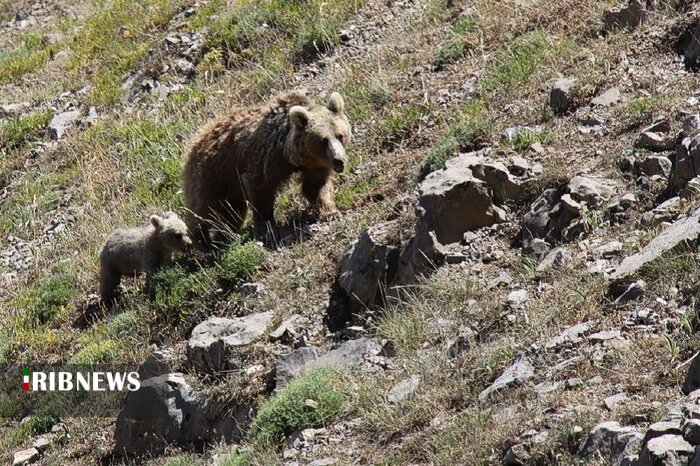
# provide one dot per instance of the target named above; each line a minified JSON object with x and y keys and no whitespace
{"x":512,"y":277}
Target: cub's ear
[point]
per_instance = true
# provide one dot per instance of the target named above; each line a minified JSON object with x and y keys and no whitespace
{"x":157,"y":222}
{"x":336,"y":104}
{"x":299,"y":117}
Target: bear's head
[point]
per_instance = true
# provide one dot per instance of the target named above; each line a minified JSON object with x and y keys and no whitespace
{"x":319,"y":135}
{"x":171,"y":231}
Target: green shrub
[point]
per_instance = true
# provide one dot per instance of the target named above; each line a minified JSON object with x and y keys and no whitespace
{"x":526,"y":54}
{"x":287,"y":411}
{"x":238,"y":264}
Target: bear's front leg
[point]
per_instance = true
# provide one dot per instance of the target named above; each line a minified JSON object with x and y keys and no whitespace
{"x":317,"y":187}
{"x":263,"y":205}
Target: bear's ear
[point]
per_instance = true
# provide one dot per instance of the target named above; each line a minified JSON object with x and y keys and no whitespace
{"x":299,"y":116}
{"x":336,"y":104}
{"x":157,"y":222}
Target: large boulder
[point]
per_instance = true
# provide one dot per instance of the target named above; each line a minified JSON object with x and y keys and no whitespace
{"x":167,"y":410}
{"x":610,"y":441}
{"x":666,"y":450}
{"x":209,"y":346}
{"x":369,"y":264}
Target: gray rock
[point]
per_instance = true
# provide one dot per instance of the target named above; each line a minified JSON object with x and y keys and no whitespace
{"x":570,"y":335}
{"x":606,"y":335}
{"x":519,"y":372}
{"x":557,"y":259}
{"x":660,"y":428}
{"x":607,"y":98}
{"x":52,"y":38}
{"x":11,"y":109}
{"x":159,"y":362}
{"x":691,"y":49}
{"x":593,"y":191}
{"x":350,"y":354}
{"x":609,"y":440}
{"x":27,"y":456}
{"x":612,"y":401}
{"x":655,"y":142}
{"x":43,"y":441}
{"x":654,"y":165}
{"x":625,"y":15}
{"x":287,"y":331}
{"x":691,"y":124}
{"x":209,"y":345}
{"x":683,"y":230}
{"x":608,"y":250}
{"x":60,"y":122}
{"x":688,"y":159}
{"x":517,"y":455}
{"x":367,"y":267}
{"x":692,"y":377}
{"x":667,"y":211}
{"x":518,"y":297}
{"x":667,"y":450}
{"x":166,"y":410}
{"x":404,"y":389}
{"x":560,"y":95}
{"x":444,"y":196}
{"x":691,"y":431}
{"x":546,"y":387}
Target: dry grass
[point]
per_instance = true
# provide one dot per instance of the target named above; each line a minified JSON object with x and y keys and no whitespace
{"x":127,"y":166}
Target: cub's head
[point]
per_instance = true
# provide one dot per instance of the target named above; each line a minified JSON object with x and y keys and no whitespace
{"x":171,"y":231}
{"x":319,"y":135}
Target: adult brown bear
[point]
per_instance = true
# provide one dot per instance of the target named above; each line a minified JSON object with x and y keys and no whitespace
{"x":248,"y":155}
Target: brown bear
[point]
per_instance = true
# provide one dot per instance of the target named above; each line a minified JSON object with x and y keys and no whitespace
{"x":142,"y":249}
{"x":248,"y":155}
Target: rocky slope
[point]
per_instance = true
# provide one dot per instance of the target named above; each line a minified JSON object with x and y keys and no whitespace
{"x":512,"y":278}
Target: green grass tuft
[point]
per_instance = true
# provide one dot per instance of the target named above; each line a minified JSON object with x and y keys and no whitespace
{"x":286,"y":412}
{"x":22,"y":129}
{"x":472,"y":132}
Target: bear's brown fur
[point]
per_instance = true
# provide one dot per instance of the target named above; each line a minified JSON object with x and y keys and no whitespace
{"x":142,"y":249}
{"x":248,"y":155}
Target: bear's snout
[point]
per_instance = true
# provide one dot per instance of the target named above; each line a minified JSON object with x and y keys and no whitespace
{"x":338,"y":156}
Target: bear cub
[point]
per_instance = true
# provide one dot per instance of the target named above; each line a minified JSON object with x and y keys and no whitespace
{"x":246,"y":157}
{"x":142,"y":249}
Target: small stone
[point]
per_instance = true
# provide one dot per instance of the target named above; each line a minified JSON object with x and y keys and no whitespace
{"x":604,"y":336}
{"x":517,"y":455}
{"x":404,"y":389}
{"x":558,"y":259}
{"x":23,"y":457}
{"x":311,"y":404}
{"x":560,"y":95}
{"x":42,"y":442}
{"x":612,"y":401}
{"x":574,"y":382}
{"x":634,"y":291}
{"x":518,"y":297}
{"x":691,"y":124}
{"x":516,"y":374}
{"x":607,"y":98}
